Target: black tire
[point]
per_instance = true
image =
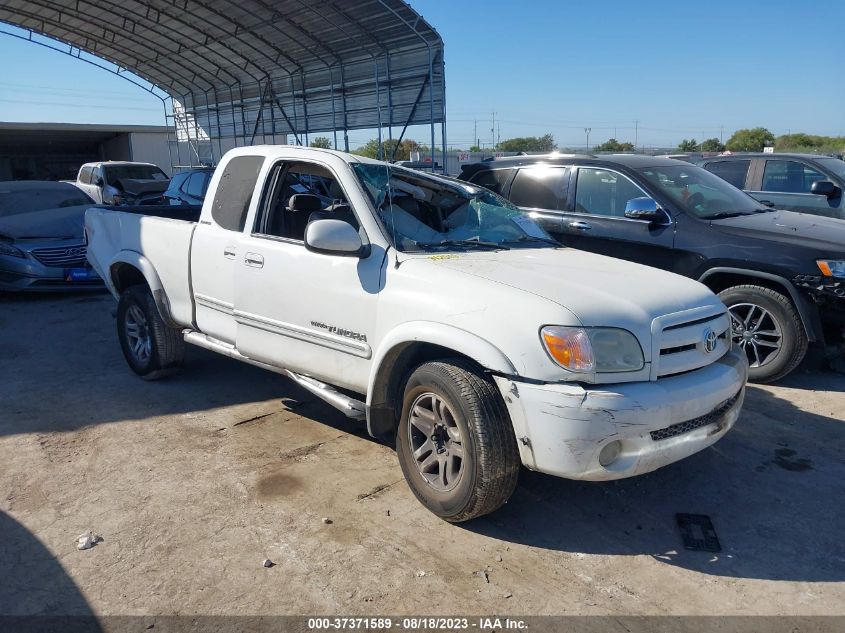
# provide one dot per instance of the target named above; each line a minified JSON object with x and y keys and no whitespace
{"x":489,"y":462}
{"x":164,"y":349}
{"x":765,"y":365}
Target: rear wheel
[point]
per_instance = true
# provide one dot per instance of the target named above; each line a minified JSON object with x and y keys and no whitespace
{"x":151,"y":348}
{"x":766,"y":325}
{"x":455,"y":441}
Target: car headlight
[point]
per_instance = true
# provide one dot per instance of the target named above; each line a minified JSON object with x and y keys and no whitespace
{"x":11,"y":251}
{"x":593,"y":350}
{"x":832,"y":267}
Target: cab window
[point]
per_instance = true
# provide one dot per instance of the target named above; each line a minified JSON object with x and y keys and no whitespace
{"x":301,"y":192}
{"x":234,"y":192}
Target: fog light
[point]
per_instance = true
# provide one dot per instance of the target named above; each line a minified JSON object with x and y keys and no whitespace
{"x":610,"y":453}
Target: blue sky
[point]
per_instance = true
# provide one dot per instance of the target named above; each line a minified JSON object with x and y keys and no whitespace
{"x":682,"y":69}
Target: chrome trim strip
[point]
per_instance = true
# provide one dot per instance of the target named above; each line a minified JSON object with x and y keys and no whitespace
{"x":332,"y":341}
{"x":214,"y":304}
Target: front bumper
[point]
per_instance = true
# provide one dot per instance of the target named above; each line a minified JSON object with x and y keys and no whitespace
{"x":26,"y":273}
{"x":561,"y":428}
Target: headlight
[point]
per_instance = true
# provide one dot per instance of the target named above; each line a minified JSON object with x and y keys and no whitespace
{"x":832,"y":267}
{"x":11,"y":251}
{"x":588,"y":350}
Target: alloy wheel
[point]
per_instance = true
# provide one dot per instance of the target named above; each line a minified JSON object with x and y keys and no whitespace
{"x":138,"y":334}
{"x":436,"y":443}
{"x":757,"y":332}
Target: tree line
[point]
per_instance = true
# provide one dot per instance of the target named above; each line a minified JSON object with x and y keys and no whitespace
{"x":744,"y":140}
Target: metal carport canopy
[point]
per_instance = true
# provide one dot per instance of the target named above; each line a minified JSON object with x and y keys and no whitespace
{"x":254,"y":69}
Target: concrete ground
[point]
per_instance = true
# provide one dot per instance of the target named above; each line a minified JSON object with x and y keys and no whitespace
{"x":193,"y":481}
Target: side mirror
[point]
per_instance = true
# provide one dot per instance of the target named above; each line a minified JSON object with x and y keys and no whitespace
{"x":825,"y":188}
{"x":100,"y":182}
{"x":333,"y":237}
{"x":645,"y":209}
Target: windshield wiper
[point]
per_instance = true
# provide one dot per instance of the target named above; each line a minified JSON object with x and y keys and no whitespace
{"x":476,"y":243}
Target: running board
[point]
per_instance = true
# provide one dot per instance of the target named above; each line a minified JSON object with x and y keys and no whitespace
{"x":349,"y":406}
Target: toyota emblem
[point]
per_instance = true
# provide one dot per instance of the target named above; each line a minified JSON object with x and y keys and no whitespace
{"x":710,"y":339}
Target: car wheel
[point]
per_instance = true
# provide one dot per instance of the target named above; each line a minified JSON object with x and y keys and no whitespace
{"x":151,"y":347}
{"x":766,"y":325}
{"x":455,"y":441}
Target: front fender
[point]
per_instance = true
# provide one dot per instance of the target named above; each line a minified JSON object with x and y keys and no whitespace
{"x":382,"y":375}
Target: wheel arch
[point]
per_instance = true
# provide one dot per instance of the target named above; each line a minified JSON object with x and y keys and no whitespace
{"x":407,"y":347}
{"x":129,"y":268}
{"x":721,"y":278}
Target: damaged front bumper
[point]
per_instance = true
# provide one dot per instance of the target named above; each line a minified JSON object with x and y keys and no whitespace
{"x":623,"y":430}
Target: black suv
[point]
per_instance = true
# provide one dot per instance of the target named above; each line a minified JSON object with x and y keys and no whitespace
{"x":781,"y":274}
{"x":188,"y":187}
{"x":796,"y":182}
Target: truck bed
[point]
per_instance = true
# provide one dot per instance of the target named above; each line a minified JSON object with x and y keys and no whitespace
{"x":155,"y":239}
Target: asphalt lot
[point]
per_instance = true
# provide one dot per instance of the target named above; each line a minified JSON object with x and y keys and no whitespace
{"x":193,"y":481}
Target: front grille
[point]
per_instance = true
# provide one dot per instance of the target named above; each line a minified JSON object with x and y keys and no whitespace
{"x":71,"y":256}
{"x":695,"y":423}
{"x":683,"y":343}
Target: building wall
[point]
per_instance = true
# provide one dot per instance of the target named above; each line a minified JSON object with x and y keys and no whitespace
{"x":150,"y":147}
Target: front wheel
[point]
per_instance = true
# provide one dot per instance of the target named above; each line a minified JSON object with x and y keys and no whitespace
{"x":151,"y":348}
{"x":766,"y":325}
{"x":455,"y":441}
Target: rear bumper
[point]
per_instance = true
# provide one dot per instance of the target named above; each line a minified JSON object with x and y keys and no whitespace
{"x":562,"y":428}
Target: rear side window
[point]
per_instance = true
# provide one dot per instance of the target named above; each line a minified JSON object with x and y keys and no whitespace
{"x":234,"y":192}
{"x":540,"y":187}
{"x":493,"y":179}
{"x":85,"y":175}
{"x":733,"y":171}
{"x":195,"y":185}
{"x":789,"y":176}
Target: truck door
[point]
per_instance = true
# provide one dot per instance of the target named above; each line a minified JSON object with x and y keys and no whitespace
{"x":309,"y":312}
{"x":215,"y":251}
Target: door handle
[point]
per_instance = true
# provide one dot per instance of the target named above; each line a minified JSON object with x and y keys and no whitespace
{"x":580,"y":226}
{"x":254,"y":259}
{"x":229,"y":252}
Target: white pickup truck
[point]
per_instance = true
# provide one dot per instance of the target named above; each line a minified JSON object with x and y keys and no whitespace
{"x":434,"y":310}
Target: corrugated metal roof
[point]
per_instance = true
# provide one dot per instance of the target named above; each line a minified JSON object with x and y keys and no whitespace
{"x":313,"y":66}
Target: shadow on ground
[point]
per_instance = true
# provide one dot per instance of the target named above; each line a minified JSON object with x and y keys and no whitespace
{"x":34,"y":582}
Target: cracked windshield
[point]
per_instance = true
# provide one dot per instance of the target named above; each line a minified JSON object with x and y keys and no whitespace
{"x":424,"y":212}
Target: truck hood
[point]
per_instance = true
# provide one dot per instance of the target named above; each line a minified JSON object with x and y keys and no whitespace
{"x":66,"y":222}
{"x":810,"y":231}
{"x":598,"y":290}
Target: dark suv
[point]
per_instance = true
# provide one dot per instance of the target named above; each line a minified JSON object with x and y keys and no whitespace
{"x":796,"y":182}
{"x":188,"y":187}
{"x":781,"y":274}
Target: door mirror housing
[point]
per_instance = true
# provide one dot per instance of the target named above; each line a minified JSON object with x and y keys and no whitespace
{"x":100,"y":182}
{"x":825,"y":188}
{"x":646,"y":209}
{"x":333,"y":237}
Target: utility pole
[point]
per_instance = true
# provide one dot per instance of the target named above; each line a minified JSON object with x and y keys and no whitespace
{"x":636,"y":133}
{"x":587,"y":132}
{"x":475,"y":131}
{"x":721,"y":134}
